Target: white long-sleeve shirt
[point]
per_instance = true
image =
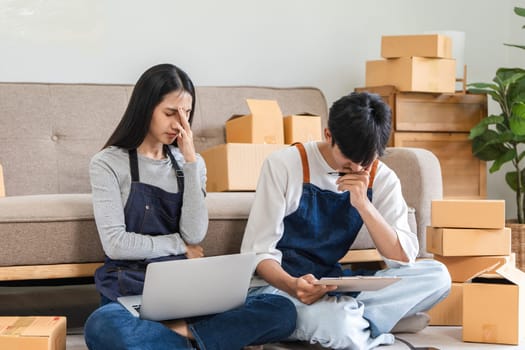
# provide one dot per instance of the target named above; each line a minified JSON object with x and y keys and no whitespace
{"x":110,"y":177}
{"x":279,"y":192}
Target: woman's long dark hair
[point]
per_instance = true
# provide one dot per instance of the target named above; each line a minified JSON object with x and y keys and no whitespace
{"x":152,"y":86}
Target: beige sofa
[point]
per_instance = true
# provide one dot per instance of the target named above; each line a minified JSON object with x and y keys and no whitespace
{"x":48,"y":133}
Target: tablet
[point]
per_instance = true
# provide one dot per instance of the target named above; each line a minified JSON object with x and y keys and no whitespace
{"x":358,"y":283}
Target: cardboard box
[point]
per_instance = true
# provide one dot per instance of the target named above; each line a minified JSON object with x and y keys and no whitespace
{"x":449,"y":312}
{"x":235,"y":166}
{"x":465,"y":268}
{"x":302,"y":128}
{"x":465,"y":213}
{"x":33,"y":333}
{"x":264,"y":124}
{"x":413,"y":74}
{"x":494,"y":310}
{"x":422,"y":45}
{"x":468,"y":241}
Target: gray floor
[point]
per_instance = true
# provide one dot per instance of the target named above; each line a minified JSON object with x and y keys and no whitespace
{"x":76,"y":302}
{"x":442,"y":338}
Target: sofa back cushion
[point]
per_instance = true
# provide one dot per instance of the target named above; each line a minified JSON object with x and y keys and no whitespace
{"x":51,"y":131}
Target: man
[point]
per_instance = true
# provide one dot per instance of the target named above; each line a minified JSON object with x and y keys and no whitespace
{"x":304,"y":219}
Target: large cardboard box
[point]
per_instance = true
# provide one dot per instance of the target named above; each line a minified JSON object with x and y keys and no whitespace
{"x":493,"y":308}
{"x":264,"y":124}
{"x":449,"y":312}
{"x":413,"y":74}
{"x":468,"y":241}
{"x":421,"y":45}
{"x":468,"y":213}
{"x":465,"y":268}
{"x":302,"y":128}
{"x":33,"y":333}
{"x":235,"y":166}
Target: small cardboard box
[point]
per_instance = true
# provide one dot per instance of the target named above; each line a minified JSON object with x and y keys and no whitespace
{"x":465,"y":268}
{"x":33,"y":333}
{"x":449,"y":312}
{"x":235,"y":166}
{"x":468,"y":213}
{"x":493,"y":308}
{"x":468,"y":241}
{"x":413,"y":74}
{"x":264,"y":124}
{"x":303,"y":127}
{"x":421,"y":45}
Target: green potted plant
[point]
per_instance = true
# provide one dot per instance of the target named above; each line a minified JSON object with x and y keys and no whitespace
{"x":501,"y":138}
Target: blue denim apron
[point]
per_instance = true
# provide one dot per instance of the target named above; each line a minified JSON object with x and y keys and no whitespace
{"x":322,"y":229}
{"x":151,"y":211}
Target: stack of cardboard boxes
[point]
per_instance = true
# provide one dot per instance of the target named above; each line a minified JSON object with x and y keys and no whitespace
{"x":421,"y":63}
{"x":488,"y":291}
{"x":235,"y":165}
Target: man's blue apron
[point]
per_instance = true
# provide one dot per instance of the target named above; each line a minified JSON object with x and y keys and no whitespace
{"x":149,"y":210}
{"x":322,"y":229}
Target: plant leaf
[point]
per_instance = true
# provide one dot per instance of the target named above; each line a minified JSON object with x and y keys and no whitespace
{"x":520,"y":11}
{"x":502,"y":159}
{"x":517,"y":119}
{"x":514,"y":45}
{"x":483,"y":124}
{"x":511,"y":178}
{"x":485,"y":148}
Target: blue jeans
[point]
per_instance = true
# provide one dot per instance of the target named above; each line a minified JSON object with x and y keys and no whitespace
{"x":262,"y":319}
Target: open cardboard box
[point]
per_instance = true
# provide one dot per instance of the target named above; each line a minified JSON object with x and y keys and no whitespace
{"x":493,"y":305}
{"x":465,"y":268}
{"x":263,"y":125}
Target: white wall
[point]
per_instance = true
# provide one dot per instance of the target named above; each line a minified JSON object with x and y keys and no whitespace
{"x":322,"y":43}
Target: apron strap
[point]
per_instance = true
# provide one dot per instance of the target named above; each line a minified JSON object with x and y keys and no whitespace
{"x":178,"y":171}
{"x":304,"y":161}
{"x":306,"y":168}
{"x":134,"y":165}
{"x":373,"y":173}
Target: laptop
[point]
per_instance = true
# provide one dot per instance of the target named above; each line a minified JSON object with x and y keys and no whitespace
{"x":192,"y":287}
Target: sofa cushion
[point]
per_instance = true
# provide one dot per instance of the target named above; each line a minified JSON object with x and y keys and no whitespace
{"x":68,"y":218}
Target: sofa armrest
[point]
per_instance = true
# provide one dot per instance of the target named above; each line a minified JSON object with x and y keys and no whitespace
{"x":420,"y":174}
{"x":2,"y":186}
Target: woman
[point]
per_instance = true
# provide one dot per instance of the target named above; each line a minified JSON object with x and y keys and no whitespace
{"x":148,"y":187}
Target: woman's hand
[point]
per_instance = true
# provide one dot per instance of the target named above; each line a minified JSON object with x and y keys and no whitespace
{"x":308,"y":292}
{"x":185,"y":137}
{"x":194,"y":251}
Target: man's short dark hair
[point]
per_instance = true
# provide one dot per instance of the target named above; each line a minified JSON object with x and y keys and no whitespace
{"x":360,"y":124}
